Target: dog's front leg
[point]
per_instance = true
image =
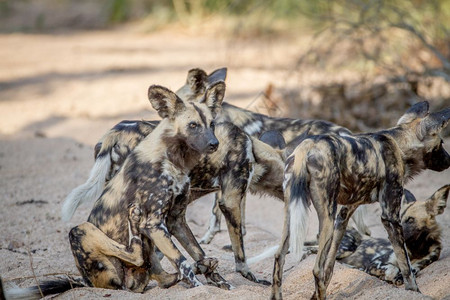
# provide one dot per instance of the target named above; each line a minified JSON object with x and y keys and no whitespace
{"x":231,"y":209}
{"x":390,"y":217}
{"x":178,"y":226}
{"x":214,"y":221}
{"x":156,"y":230}
{"x":433,"y":254}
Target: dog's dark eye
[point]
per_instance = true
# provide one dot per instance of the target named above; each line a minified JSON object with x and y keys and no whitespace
{"x":212,"y":125}
{"x":410,"y":220}
{"x":193,"y":125}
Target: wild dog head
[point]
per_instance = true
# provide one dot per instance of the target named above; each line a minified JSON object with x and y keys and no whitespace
{"x":421,"y":143}
{"x":197,"y":82}
{"x":193,"y":123}
{"x":420,"y":227}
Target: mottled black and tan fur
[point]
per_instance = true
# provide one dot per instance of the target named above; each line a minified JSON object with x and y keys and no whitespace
{"x":152,"y":180}
{"x":250,"y":164}
{"x":332,"y":170}
{"x":241,"y":164}
{"x":136,"y":212}
{"x":287,"y":132}
{"x":422,"y":233}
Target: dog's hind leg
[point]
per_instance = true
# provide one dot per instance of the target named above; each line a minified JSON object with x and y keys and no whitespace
{"x":94,"y":254}
{"x":280,"y":257}
{"x":340,"y":226}
{"x":324,"y":189}
{"x":214,"y":221}
{"x":390,"y":217}
{"x":326,"y":224}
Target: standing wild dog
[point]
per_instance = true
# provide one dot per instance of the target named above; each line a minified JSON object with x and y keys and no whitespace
{"x":421,"y":231}
{"x":331,"y":170}
{"x":115,"y":248}
{"x":260,"y":126}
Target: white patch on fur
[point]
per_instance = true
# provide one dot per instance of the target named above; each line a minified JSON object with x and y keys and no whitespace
{"x":287,"y":178}
{"x":299,"y":215}
{"x":391,"y":272}
{"x":186,"y":266}
{"x":269,"y":252}
{"x":178,"y":178}
{"x":344,"y":134}
{"x":215,"y":182}
{"x":130,"y":234}
{"x":130,"y":124}
{"x":251,"y":158}
{"x":115,"y":158}
{"x":253,"y":127}
{"x":91,"y":190}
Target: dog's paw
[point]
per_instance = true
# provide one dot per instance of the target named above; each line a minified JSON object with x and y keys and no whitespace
{"x":217,"y":280}
{"x":398,"y":280}
{"x":250,"y":276}
{"x":206,"y":265}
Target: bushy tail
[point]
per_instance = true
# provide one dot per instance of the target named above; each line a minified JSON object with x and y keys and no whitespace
{"x":46,"y":288}
{"x":298,"y":197}
{"x":296,"y":192}
{"x":90,"y":190}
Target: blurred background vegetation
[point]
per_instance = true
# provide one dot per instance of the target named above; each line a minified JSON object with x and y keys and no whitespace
{"x":401,"y":49}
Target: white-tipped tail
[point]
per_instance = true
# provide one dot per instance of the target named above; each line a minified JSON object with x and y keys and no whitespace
{"x":88,"y":191}
{"x":17,"y":293}
{"x":270,"y":252}
{"x":299,"y":215}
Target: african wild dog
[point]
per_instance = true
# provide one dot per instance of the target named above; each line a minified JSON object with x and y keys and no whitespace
{"x":331,"y":170}
{"x":259,"y":125}
{"x":422,"y":233}
{"x":241,"y":163}
{"x":251,"y":165}
{"x":115,"y":248}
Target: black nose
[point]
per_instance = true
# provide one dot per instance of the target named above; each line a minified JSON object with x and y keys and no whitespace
{"x":212,"y":146}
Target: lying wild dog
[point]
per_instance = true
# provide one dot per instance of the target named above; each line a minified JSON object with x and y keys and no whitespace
{"x":250,"y":166}
{"x":115,"y":248}
{"x":332,"y":170}
{"x":421,"y":231}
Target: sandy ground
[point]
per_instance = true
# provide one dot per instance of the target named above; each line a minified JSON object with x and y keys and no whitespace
{"x":60,"y":93}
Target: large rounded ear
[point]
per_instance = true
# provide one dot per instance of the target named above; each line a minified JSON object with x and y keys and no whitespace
{"x":164,"y":101}
{"x":434,"y":122}
{"x":438,"y":202}
{"x":408,"y":197}
{"x":214,"y":96}
{"x":418,"y":110}
{"x":217,"y":75}
{"x":197,"y":81}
